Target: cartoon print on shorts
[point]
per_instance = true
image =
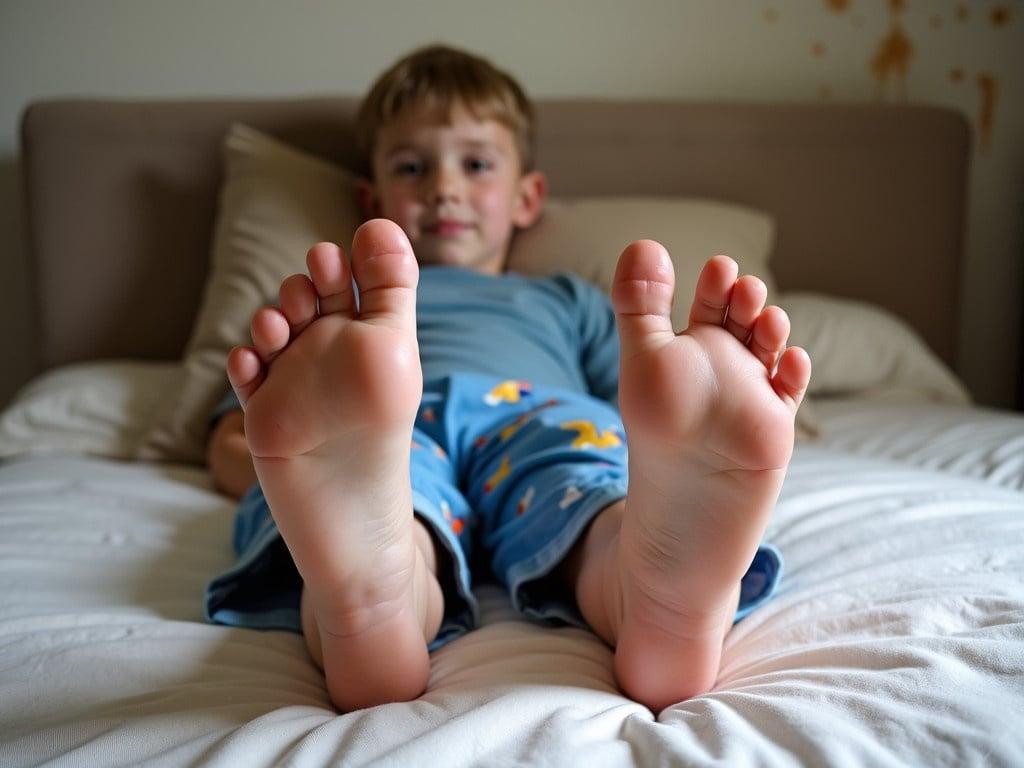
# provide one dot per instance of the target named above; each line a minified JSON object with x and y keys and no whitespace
{"x":502,"y":472}
{"x":456,"y":523}
{"x":512,"y":428}
{"x":506,"y":432}
{"x":588,"y":437}
{"x":571,"y":496}
{"x":524,"y":503}
{"x":428,"y":415}
{"x":507,"y":392}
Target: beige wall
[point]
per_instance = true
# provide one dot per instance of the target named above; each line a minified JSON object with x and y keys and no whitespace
{"x":765,"y":50}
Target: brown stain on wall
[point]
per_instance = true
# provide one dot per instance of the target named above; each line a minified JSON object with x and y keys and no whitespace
{"x":989,"y":87}
{"x":892,"y":56}
{"x":837,"y":6}
{"x":890,"y":64}
{"x":892,"y":60}
{"x":1000,"y":16}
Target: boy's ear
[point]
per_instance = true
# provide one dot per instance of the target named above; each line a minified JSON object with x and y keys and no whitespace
{"x":367,"y":199}
{"x":533,"y":188}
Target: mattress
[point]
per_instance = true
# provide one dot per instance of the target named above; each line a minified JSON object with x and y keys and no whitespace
{"x":897,"y":636}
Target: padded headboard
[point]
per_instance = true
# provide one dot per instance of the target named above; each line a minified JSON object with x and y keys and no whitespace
{"x":869,"y":201}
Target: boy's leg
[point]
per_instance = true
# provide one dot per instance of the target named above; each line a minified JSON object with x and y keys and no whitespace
{"x":709,"y":421}
{"x":330,"y":397}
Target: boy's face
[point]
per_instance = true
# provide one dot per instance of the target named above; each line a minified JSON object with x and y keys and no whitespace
{"x":455,"y":186}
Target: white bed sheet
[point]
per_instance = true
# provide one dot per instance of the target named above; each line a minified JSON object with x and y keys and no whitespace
{"x":897,"y":637}
{"x":959,"y":439}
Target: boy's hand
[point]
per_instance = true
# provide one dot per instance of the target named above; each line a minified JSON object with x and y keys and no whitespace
{"x":228,"y":457}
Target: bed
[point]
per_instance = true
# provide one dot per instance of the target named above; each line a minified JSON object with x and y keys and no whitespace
{"x":897,"y":635}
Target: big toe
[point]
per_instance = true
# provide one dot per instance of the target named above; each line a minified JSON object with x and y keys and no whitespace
{"x":386,"y":272}
{"x":642,"y":291}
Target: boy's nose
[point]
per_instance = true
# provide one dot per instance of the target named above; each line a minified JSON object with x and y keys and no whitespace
{"x":446,"y":186}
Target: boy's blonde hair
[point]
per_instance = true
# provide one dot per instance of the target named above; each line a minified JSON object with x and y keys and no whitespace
{"x":439,"y":78}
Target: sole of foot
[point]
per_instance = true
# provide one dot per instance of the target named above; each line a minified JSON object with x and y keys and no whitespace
{"x":330,"y":393}
{"x":709,"y":415}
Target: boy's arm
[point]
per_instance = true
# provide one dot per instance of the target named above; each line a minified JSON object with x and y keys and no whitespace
{"x":599,"y":343}
{"x":228,"y":457}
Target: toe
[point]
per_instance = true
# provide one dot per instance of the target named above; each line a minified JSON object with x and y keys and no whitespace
{"x":793,"y":375}
{"x":386,"y":272}
{"x":245,"y":372}
{"x":745,"y":304}
{"x":769,"y":334}
{"x":270,"y":333}
{"x":714,"y":289}
{"x":298,"y":302}
{"x":331,"y":279}
{"x":642,"y":290}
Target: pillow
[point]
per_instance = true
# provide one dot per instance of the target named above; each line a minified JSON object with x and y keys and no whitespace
{"x":98,"y":409}
{"x":859,"y":348}
{"x":586,"y":236}
{"x":275,"y":203}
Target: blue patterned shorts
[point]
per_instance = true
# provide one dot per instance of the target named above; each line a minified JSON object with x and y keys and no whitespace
{"x":507,"y":476}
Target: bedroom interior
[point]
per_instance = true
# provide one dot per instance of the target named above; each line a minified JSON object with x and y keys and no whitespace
{"x":865,"y":157}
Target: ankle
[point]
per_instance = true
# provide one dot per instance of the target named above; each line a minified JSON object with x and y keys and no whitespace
{"x":428,"y":597}
{"x":426,"y":543}
{"x":597,"y":583}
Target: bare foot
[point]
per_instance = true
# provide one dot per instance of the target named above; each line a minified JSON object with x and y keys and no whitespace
{"x":330,"y":396}
{"x":709,"y":419}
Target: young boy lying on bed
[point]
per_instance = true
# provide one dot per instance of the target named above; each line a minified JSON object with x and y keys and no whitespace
{"x":446,"y":406}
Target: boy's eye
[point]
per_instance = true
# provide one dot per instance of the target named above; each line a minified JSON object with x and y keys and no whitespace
{"x":478,"y":165}
{"x":408,"y":168}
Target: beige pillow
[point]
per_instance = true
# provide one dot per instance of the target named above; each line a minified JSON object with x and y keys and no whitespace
{"x":95,"y":409}
{"x":275,"y":202}
{"x":861,"y":349}
{"x":586,"y":236}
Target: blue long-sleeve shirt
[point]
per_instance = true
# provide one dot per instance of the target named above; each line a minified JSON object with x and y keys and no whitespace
{"x":551,"y":331}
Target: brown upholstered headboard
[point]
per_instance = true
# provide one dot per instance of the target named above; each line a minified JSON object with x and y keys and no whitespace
{"x":869,"y":200}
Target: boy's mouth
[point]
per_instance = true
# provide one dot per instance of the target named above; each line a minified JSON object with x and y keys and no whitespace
{"x":447,"y":227}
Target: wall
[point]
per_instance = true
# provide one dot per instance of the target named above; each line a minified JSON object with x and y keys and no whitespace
{"x":965,"y":55}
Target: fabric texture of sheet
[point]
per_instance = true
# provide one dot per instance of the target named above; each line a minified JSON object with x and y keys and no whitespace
{"x":896,"y":636}
{"x":974,"y":442}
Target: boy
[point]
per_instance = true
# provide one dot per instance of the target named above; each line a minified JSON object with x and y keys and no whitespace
{"x":492,"y":378}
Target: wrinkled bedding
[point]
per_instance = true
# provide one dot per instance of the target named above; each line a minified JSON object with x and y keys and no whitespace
{"x":897,"y":637}
{"x":956,"y":439}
